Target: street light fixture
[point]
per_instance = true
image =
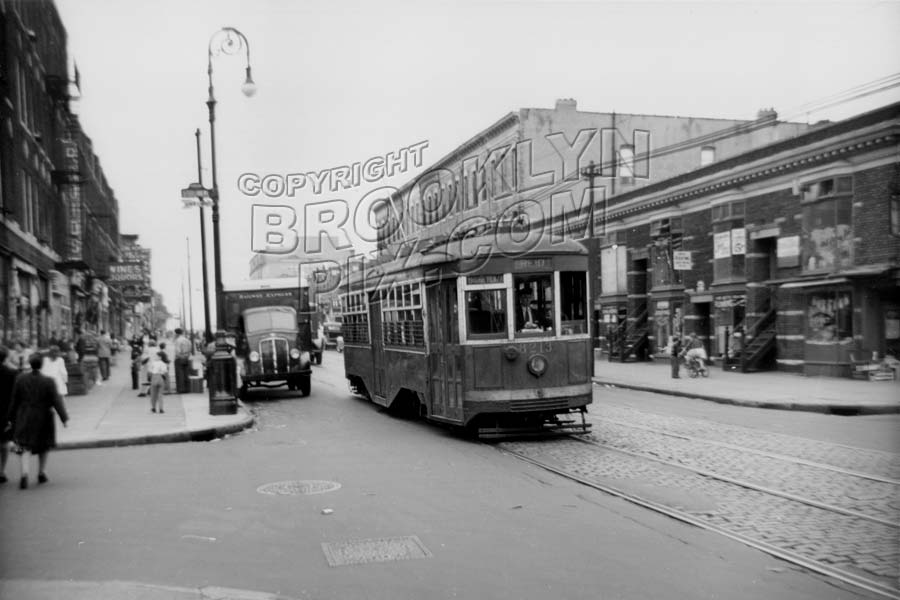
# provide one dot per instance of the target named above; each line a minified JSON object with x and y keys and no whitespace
{"x":222,"y":381}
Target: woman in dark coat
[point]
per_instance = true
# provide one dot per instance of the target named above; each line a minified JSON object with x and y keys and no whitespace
{"x":34,"y":398}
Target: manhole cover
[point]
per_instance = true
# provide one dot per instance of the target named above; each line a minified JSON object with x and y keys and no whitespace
{"x":357,"y":552}
{"x":298,"y":488}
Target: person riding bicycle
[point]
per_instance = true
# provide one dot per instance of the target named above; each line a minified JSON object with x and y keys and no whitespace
{"x":695,"y":352}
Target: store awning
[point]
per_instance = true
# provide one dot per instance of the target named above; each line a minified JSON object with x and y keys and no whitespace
{"x":814,"y":283}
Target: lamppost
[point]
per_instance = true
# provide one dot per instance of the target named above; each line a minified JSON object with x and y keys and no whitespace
{"x":222,"y":381}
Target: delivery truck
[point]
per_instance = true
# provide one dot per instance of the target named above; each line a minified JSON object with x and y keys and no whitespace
{"x":272,"y":325}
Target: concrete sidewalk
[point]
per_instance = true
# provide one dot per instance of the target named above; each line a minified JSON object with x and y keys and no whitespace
{"x":114,"y":415}
{"x":767,"y":389}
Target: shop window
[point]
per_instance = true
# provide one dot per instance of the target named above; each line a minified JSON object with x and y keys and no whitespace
{"x":829,"y":318}
{"x":667,"y":322}
{"x":487,"y":313}
{"x":827,"y":238}
{"x":534,"y":304}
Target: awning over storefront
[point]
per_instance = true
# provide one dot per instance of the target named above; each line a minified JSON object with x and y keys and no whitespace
{"x":814,"y":283}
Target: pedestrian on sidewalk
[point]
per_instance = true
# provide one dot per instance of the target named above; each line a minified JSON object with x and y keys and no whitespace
{"x":7,"y":379}
{"x":158,"y":370}
{"x":137,"y":351}
{"x":675,"y":356}
{"x":182,"y":362}
{"x":54,"y":367}
{"x":104,"y":353}
{"x":34,"y":399}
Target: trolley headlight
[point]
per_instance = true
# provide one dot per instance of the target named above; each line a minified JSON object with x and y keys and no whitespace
{"x":254,"y":356}
{"x":537,"y":364}
{"x":295,"y":354}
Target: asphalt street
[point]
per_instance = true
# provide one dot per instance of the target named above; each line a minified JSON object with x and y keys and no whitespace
{"x":332,"y":497}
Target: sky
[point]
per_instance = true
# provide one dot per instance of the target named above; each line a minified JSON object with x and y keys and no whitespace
{"x":340,"y":82}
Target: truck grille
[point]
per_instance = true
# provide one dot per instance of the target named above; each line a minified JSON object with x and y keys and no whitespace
{"x":273,"y":353}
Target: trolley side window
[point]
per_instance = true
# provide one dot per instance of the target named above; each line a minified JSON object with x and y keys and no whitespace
{"x":355,"y":318}
{"x":573,"y":302}
{"x":534,"y":304}
{"x":486,"y":313}
{"x":401,"y":312}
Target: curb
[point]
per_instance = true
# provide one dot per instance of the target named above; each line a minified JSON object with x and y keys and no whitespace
{"x":846,"y":410}
{"x":205,"y":434}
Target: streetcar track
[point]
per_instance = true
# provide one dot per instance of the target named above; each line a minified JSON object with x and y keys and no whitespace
{"x":745,"y":484}
{"x":773,"y":455}
{"x":786,"y":555}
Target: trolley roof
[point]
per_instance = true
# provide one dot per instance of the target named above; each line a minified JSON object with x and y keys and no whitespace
{"x":442,"y":251}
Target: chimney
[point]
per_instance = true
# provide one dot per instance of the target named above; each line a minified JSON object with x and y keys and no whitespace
{"x":566,"y":105}
{"x":767,"y":114}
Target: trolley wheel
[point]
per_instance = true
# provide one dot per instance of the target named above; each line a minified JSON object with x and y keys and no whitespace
{"x":303,"y":384}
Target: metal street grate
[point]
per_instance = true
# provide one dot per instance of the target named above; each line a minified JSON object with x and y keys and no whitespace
{"x":356,"y":552}
{"x":298,"y":488}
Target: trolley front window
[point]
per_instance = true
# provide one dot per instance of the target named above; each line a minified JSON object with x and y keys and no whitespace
{"x":487,"y":313}
{"x":573,"y":302}
{"x":534,"y":304}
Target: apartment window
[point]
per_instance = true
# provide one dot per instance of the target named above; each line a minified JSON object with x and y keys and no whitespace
{"x":626,"y":162}
{"x":614,"y":269}
{"x":827,"y":236}
{"x":707,"y":155}
{"x":667,"y":238}
{"x":729,"y":241}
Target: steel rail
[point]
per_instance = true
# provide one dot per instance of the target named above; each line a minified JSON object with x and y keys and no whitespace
{"x":839,"y":574}
{"x":783,"y":457}
{"x":748,"y":485}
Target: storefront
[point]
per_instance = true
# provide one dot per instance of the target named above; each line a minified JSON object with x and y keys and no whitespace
{"x":667,"y":321}
{"x":729,"y":310}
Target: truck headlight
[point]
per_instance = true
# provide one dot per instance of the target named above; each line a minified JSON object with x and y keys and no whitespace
{"x":295,"y":354}
{"x":254,"y":356}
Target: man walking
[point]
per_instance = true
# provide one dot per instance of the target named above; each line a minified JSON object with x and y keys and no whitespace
{"x":104,"y":353}
{"x":182,"y":362}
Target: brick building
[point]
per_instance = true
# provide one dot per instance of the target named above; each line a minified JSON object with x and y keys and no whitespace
{"x":796,"y":242}
{"x":531,"y":162}
{"x":58,"y":215}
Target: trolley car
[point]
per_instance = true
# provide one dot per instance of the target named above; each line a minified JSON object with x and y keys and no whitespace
{"x":475,"y":333}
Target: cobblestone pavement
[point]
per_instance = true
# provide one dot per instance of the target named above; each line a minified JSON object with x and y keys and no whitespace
{"x":838,"y":541}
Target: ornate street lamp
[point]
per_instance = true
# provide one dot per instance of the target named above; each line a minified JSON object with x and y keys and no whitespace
{"x":222,"y":380}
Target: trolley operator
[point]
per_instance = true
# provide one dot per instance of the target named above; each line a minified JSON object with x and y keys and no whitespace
{"x":528,"y":314}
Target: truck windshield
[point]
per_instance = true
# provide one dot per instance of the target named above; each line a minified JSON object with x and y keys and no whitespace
{"x":274,"y":317}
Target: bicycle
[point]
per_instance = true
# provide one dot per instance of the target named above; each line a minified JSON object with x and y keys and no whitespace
{"x":695,"y":366}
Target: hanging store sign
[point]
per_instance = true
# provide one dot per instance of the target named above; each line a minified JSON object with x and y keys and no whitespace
{"x":730,"y":301}
{"x":126,"y":274}
{"x":682,"y":261}
{"x":722,"y":244}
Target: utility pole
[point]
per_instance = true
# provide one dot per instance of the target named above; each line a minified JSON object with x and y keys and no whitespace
{"x":590,"y":173}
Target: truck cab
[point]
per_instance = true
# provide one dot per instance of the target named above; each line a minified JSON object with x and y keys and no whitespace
{"x":272,"y":344}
